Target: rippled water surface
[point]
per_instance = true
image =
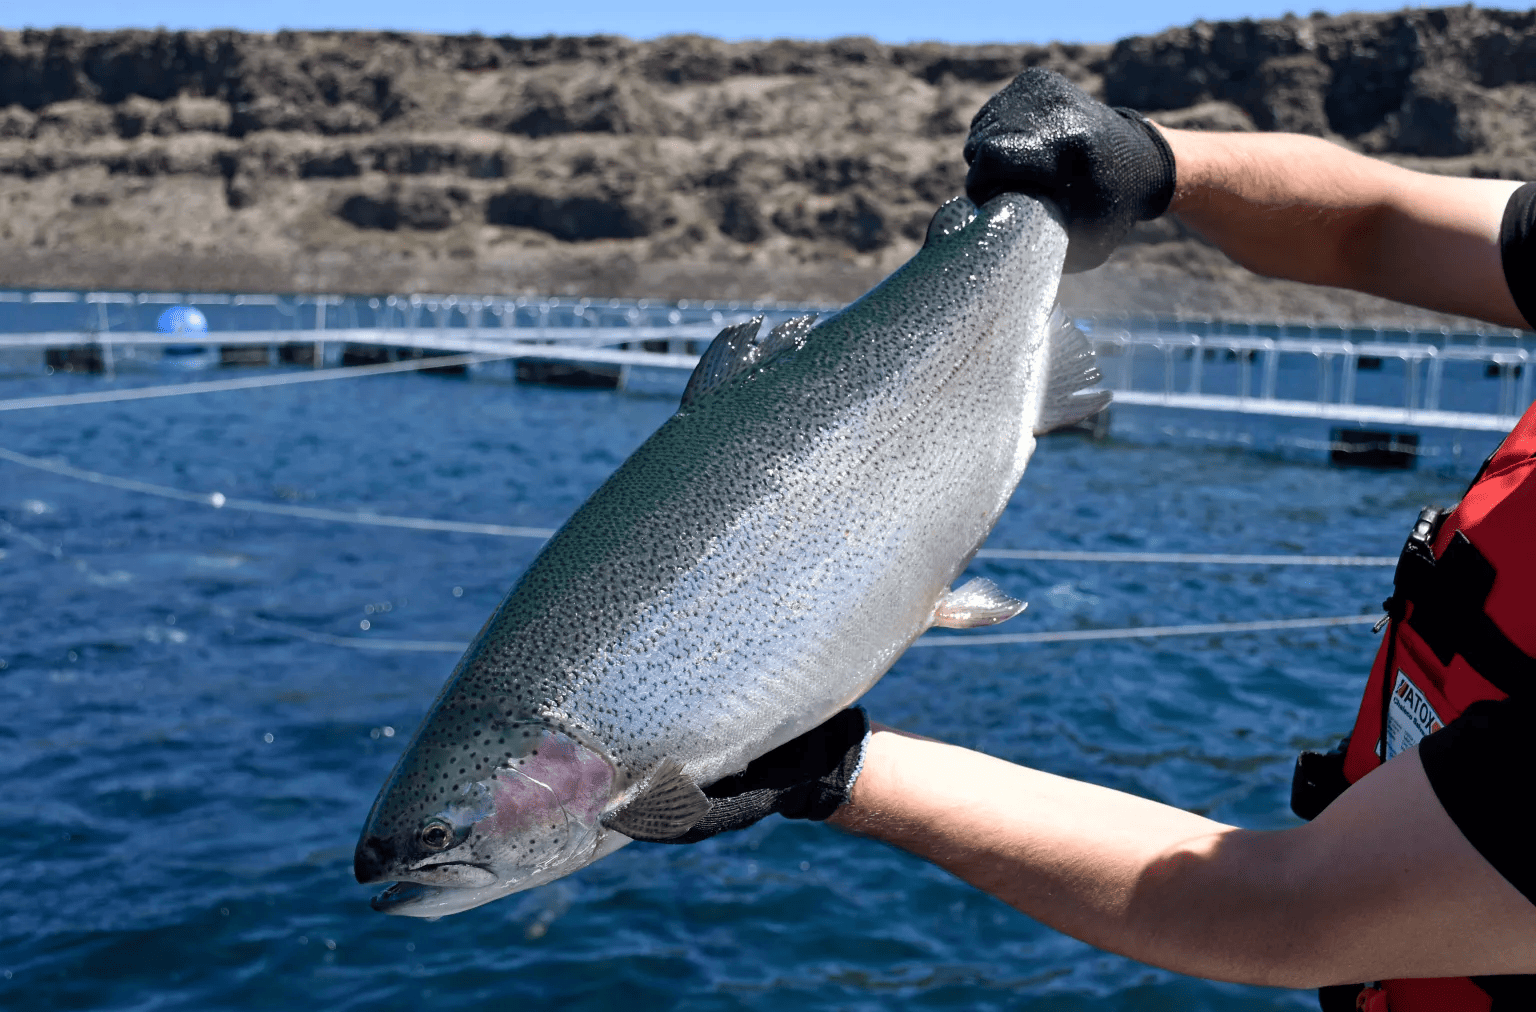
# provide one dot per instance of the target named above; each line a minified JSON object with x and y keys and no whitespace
{"x":188,"y":755}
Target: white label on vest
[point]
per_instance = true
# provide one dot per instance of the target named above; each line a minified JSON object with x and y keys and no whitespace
{"x":1409,"y":718}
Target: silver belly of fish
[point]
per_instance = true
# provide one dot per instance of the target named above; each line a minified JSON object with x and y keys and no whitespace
{"x":755,"y":566}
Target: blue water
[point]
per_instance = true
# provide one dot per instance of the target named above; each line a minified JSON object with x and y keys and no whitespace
{"x":185,"y":775}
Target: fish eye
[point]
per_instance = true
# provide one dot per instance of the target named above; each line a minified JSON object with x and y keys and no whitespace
{"x":436,"y":835}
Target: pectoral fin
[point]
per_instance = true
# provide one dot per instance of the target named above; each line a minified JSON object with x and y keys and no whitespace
{"x":978,"y":602}
{"x":668,"y":807}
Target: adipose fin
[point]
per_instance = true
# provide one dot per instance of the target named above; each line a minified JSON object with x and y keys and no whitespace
{"x":954,"y":215}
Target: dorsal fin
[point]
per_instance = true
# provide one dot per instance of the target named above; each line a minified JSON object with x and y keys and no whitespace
{"x":954,"y":214}
{"x":1070,"y":370}
{"x":668,"y":807}
{"x":738,"y":348}
{"x":729,"y":353}
{"x":787,"y":336}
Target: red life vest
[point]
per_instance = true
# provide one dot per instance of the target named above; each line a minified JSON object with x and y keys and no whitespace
{"x":1461,"y":628}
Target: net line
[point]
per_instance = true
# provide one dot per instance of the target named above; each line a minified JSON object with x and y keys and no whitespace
{"x":357,"y":642}
{"x":951,"y":640}
{"x":945,"y":640}
{"x":1145,"y":632}
{"x":1186,"y":558}
{"x":245,"y":383}
{"x":219,"y":500}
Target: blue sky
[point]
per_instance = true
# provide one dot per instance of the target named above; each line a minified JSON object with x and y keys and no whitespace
{"x":890,"y":21}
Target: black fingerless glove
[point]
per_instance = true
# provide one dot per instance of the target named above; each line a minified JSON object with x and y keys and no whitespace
{"x":807,"y":778}
{"x":1105,"y":168}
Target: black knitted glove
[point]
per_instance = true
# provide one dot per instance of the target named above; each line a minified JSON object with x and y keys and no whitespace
{"x":1105,"y":168}
{"x":807,"y":778}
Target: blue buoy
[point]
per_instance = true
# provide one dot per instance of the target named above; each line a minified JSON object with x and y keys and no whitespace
{"x":183,"y":320}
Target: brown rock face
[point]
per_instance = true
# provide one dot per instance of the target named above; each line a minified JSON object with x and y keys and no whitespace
{"x":682,"y":167}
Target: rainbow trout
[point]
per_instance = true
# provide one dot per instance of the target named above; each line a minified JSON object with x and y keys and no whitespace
{"x":755,"y":566}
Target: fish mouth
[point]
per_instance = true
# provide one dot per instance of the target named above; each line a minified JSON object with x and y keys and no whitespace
{"x":374,"y":861}
{"x":417,"y":899}
{"x":423,"y":899}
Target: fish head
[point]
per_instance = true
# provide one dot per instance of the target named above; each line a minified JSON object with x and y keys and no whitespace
{"x":475,"y":810}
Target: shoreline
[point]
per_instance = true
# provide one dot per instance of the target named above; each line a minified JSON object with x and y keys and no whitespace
{"x":682,"y":167}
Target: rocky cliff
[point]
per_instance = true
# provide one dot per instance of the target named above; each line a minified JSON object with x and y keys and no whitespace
{"x":681,"y":167}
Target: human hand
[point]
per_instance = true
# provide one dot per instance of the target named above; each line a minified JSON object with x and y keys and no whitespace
{"x":1105,"y":168}
{"x":809,"y":777}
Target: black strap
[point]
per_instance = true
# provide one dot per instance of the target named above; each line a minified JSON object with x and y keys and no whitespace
{"x":1317,"y":780}
{"x":1449,"y":596}
{"x":1414,"y":574}
{"x":1509,"y":992}
{"x":1338,"y":997}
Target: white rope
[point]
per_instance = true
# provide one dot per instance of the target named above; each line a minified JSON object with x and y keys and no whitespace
{"x":1188,"y":558}
{"x":950,"y":640}
{"x":246,"y":383}
{"x":452,"y":647}
{"x":219,"y":500}
{"x":359,"y":642}
{"x":445,"y":646}
{"x":1144,"y":632}
{"x":1073,"y":636}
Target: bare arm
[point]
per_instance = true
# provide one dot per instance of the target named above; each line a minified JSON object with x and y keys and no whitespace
{"x":1297,"y":207}
{"x":1381,"y":885}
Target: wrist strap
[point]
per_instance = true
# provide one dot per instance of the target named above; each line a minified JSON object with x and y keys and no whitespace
{"x":845,"y":737}
{"x":1158,"y":200}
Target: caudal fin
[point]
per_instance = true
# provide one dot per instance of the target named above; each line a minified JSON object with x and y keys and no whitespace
{"x":1070,"y":371}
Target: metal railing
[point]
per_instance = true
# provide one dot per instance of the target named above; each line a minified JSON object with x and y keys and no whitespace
{"x":1324,"y":376}
{"x":1370,"y":375}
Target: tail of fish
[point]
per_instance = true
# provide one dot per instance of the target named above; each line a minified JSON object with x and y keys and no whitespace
{"x":1073,"y":371}
{"x":1070,"y":365}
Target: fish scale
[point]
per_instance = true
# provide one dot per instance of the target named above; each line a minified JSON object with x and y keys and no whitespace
{"x":755,"y":566}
